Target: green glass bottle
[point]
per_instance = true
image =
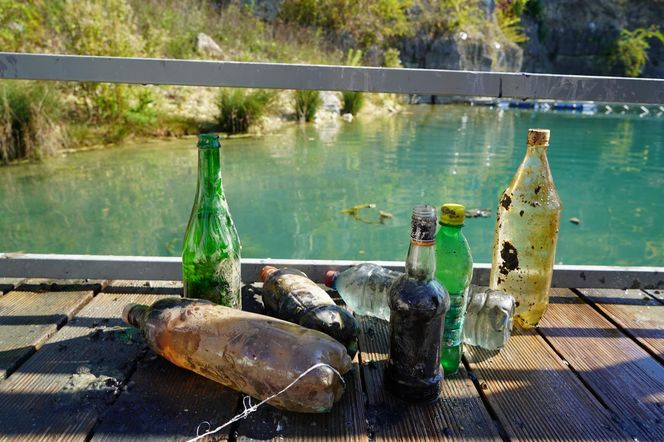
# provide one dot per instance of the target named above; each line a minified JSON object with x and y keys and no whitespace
{"x":454,"y":269}
{"x":211,"y":251}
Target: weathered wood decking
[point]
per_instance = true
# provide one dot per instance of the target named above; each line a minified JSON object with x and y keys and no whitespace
{"x":71,"y":370}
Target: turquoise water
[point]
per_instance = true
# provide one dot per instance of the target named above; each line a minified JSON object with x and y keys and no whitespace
{"x":286,"y":191}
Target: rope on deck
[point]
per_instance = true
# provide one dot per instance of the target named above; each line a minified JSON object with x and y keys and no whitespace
{"x":250,"y":408}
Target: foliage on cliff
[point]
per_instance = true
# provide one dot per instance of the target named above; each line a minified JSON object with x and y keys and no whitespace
{"x":631,"y":49}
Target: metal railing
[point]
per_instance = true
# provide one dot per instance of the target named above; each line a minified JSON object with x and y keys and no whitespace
{"x":335,"y":78}
{"x":524,"y":86}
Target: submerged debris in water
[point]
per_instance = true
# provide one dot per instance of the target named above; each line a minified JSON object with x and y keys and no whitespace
{"x":478,"y":213}
{"x":355,"y":213}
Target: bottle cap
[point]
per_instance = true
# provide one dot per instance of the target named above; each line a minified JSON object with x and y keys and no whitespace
{"x":208,"y":141}
{"x":538,"y":137}
{"x":330,"y":278}
{"x":266,"y":272}
{"x":423,"y":224}
{"x":452,"y":214}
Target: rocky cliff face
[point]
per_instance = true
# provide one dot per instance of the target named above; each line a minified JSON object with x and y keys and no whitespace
{"x":461,"y":51}
{"x":576,"y":37}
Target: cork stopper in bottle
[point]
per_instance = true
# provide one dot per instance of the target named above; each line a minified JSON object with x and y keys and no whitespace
{"x":538,"y":137}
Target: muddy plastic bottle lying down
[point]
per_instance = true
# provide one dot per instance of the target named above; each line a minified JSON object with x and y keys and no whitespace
{"x":254,"y":354}
{"x":290,"y":295}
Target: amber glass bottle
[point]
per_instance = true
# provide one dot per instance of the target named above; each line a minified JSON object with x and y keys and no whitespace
{"x":526,"y":233}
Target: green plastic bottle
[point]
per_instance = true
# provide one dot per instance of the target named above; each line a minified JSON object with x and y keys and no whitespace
{"x":211,"y":251}
{"x":454,"y":269}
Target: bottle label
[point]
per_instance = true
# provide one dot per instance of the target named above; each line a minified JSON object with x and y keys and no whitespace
{"x":454,"y":321}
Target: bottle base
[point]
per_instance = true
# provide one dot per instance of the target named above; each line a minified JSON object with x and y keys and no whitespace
{"x":410,"y":391}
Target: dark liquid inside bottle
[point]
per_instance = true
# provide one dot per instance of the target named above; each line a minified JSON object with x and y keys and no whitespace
{"x":416,"y":325}
{"x":417,"y":317}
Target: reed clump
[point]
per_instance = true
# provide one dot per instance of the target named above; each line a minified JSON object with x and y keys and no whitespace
{"x":239,"y":109}
{"x":29,"y":122}
{"x":306,"y":104}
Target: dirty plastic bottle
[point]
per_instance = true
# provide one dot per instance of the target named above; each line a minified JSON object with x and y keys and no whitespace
{"x":211,"y":249}
{"x":454,"y":269}
{"x":290,"y":295}
{"x":418,"y":304}
{"x":488,"y":322}
{"x":526,"y":233}
{"x":364,"y":287}
{"x":254,"y":354}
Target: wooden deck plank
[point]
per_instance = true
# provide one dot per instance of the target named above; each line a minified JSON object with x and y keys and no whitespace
{"x":61,"y":390}
{"x":163,"y":401}
{"x":458,"y":414}
{"x":33,"y":312}
{"x":622,"y":374}
{"x":656,"y":293}
{"x":640,"y":316}
{"x":346,"y":421}
{"x":536,"y":396}
{"x":6,"y":284}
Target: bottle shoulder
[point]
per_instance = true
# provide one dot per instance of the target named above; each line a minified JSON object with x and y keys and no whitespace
{"x":412,"y":294}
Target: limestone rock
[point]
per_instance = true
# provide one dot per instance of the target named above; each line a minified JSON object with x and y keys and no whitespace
{"x":205,"y":45}
{"x":573,"y":37}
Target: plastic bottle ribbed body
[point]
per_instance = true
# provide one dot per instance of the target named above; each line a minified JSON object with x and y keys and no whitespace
{"x":526,"y":234}
{"x":364,"y":289}
{"x":488,"y":321}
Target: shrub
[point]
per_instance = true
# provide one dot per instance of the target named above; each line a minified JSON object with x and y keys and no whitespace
{"x":508,"y":15}
{"x":239,"y":109}
{"x":445,"y":17}
{"x":352,"y":102}
{"x":631,"y":49}
{"x":392,"y":58}
{"x":28,"y":122}
{"x":100,"y":27}
{"x":20,"y":25}
{"x":306,"y":104}
{"x":367,"y":21}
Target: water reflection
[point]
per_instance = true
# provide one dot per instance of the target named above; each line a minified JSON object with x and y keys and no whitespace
{"x":286,"y":191}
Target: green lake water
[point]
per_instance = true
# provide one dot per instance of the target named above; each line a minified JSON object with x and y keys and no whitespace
{"x":286,"y":190}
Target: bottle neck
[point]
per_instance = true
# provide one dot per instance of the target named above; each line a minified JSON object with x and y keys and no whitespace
{"x":209,"y":189}
{"x":134,"y":314}
{"x":421,"y":260}
{"x":534,"y":171}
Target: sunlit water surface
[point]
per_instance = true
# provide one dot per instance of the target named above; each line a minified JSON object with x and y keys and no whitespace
{"x":286,"y":191}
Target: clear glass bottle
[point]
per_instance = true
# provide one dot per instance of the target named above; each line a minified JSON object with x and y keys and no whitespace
{"x":254,"y":354}
{"x":418,"y":304}
{"x":454,"y":269}
{"x":488,"y":321}
{"x":526,"y":233}
{"x":211,"y":250}
{"x":364,"y":288}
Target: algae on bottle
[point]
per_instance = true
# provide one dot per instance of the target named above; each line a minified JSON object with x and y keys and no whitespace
{"x":526,"y":233}
{"x":211,"y":250}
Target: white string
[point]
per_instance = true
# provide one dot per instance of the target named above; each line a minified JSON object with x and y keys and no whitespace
{"x":250,"y":408}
